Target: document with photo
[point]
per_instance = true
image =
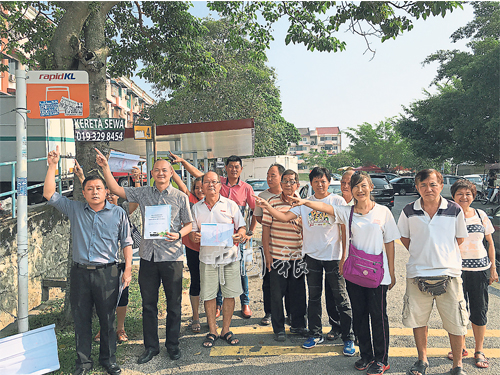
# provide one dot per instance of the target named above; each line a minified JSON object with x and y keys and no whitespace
{"x":157,"y":221}
{"x":217,"y":235}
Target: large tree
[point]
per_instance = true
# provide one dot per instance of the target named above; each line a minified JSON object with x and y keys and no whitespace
{"x":247,"y":90}
{"x":462,"y":121}
{"x":331,"y":162}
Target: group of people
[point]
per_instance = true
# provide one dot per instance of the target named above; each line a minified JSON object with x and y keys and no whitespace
{"x":305,"y":241}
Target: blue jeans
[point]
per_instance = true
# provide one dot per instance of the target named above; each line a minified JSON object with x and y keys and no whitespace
{"x":245,"y":296}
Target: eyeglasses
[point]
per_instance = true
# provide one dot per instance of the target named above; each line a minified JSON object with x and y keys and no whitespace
{"x":289,"y":182}
{"x":211,"y":182}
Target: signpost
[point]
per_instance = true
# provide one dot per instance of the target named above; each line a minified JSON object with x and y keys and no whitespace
{"x":143,"y":132}
{"x":99,"y":129}
{"x":58,"y":94}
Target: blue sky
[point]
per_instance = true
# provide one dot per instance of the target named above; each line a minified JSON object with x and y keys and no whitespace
{"x":348,"y":88}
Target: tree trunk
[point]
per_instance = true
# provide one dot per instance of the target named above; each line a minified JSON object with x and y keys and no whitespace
{"x":69,"y":53}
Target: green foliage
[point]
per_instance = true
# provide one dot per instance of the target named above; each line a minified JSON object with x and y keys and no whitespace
{"x":315,"y":23}
{"x":246,"y":90}
{"x":331,"y":162}
{"x":461,"y":121}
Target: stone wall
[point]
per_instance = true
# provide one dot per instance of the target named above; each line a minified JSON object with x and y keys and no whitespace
{"x":48,"y":244}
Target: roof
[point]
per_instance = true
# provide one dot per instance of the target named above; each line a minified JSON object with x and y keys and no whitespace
{"x":328,"y":130}
{"x":303,"y":131}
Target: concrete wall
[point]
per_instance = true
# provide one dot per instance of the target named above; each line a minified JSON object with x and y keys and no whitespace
{"x":48,"y":233}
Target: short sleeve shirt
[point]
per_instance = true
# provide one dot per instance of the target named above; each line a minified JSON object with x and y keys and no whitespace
{"x":224,"y":211}
{"x":181,"y":215}
{"x":370,"y":231}
{"x":286,"y":238}
{"x":186,"y":240}
{"x":241,"y":193}
{"x":322,"y":240}
{"x":96,"y":235}
{"x":266,"y":194}
{"x":474,"y":254}
{"x":433,"y":246}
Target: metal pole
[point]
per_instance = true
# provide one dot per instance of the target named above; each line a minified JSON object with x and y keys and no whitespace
{"x":149,"y":165}
{"x":205,"y":165}
{"x":22,"y":202}
{"x":155,"y":150}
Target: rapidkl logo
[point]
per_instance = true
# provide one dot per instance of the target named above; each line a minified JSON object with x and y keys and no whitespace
{"x":50,"y":77}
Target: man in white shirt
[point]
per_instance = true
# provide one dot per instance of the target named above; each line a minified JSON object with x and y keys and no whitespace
{"x":431,"y":229}
{"x":219,"y":265}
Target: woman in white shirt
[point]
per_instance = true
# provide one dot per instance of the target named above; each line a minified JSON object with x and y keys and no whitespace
{"x":373,"y":231}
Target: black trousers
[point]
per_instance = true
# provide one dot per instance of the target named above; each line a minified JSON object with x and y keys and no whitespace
{"x":339,"y":295}
{"x":295,"y":284}
{"x":151,"y":275}
{"x":97,"y":288}
{"x":370,"y":304}
{"x":193,"y":263}
{"x":331,"y":309}
{"x":266,"y":295}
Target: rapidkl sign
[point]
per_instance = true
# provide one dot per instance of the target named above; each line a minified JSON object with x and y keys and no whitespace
{"x":57,"y":94}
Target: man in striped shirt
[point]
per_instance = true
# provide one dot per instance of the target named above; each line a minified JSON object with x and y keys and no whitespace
{"x":282,"y":244}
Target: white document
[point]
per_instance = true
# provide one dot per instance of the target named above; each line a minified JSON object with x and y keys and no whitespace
{"x":217,"y":235}
{"x":121,"y":162}
{"x":157,"y":221}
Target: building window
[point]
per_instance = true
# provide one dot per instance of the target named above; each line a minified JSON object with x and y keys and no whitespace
{"x":304,"y":139}
{"x":12,"y":66}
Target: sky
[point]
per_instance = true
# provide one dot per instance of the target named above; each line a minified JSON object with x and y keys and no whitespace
{"x":348,"y":88}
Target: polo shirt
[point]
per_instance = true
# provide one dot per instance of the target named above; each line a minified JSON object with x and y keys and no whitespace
{"x":266,"y":194}
{"x":322,"y":239}
{"x":95,"y":234}
{"x":163,"y":250}
{"x":285,"y":238}
{"x":224,"y":211}
{"x":241,"y":193}
{"x":433,"y":246}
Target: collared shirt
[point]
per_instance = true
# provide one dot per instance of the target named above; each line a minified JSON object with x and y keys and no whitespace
{"x":224,"y":211}
{"x":95,"y":234}
{"x":286,"y":238}
{"x":241,"y":193}
{"x":433,"y":246}
{"x":163,"y":250}
{"x":266,"y":194}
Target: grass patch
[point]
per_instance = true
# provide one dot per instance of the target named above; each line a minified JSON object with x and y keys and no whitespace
{"x":53,"y":313}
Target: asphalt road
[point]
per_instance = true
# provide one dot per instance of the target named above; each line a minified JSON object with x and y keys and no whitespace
{"x":259,"y":354}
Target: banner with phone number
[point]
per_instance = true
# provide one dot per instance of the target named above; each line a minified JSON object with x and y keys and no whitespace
{"x":99,"y":129}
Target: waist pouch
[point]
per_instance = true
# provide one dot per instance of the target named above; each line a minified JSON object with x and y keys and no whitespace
{"x":435,"y":285}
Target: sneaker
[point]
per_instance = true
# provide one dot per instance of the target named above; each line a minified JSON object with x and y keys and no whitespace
{"x":266,"y":320}
{"x":312,"y":342}
{"x":280,"y":336}
{"x":362,"y":364}
{"x":349,"y":349}
{"x":302,"y":331}
{"x":377,"y":368}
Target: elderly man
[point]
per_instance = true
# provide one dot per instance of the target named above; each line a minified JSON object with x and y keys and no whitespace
{"x":97,"y":230}
{"x":219,"y":264}
{"x":431,"y":229}
{"x":161,"y":259}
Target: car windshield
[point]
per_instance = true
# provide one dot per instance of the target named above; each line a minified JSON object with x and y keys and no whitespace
{"x":476,"y":180}
{"x":335,"y":189}
{"x":258,"y":185}
{"x":379,"y":182}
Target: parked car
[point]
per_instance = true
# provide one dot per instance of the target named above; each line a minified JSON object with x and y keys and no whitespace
{"x":403,"y":185}
{"x":307,"y":190}
{"x":476,"y":179}
{"x":383,"y":192}
{"x":387,"y":175}
{"x":448,"y":181}
{"x":494,"y":215}
{"x":258,"y":185}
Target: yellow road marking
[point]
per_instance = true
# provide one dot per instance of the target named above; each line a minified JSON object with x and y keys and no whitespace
{"x":248,"y":330}
{"x":496,"y":285}
{"x":330,"y":350}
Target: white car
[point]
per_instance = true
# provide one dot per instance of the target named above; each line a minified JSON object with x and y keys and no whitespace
{"x":307,"y":190}
{"x":476,"y":179}
{"x":448,"y":181}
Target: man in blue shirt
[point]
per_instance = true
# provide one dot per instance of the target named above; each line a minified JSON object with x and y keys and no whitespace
{"x":98,"y":228}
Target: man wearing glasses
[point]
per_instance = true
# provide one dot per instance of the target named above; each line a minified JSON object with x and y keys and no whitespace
{"x":219,"y":260}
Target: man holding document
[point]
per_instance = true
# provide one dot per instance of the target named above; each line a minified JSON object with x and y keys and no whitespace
{"x":218,"y":226}
{"x":166,"y":218}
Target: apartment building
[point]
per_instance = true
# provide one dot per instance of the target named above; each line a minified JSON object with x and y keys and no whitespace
{"x":318,"y":139}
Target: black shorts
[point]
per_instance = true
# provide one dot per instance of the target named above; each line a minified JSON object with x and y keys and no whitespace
{"x":475,"y":284}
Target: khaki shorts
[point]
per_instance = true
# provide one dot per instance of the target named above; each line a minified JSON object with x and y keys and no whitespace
{"x":451,"y":306}
{"x":226,"y":276}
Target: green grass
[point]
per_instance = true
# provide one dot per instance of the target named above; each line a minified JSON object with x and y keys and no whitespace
{"x":53,"y":313}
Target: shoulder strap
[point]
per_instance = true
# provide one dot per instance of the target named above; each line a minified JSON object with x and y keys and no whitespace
{"x":479,"y":215}
{"x":350,"y":223}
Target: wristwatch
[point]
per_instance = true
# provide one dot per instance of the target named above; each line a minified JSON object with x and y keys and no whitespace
{"x":180,"y":235}
{"x":249,"y":233}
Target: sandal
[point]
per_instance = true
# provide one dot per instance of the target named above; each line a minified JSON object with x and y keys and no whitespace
{"x":465,"y":353}
{"x":481,"y":362}
{"x":230,"y":339}
{"x":334,"y":334}
{"x":121,"y":336}
{"x":419,"y":368}
{"x":195,"y":326}
{"x":209,"y":341}
{"x":457,"y":371}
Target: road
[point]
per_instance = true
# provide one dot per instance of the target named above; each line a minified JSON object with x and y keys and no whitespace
{"x":259,"y":354}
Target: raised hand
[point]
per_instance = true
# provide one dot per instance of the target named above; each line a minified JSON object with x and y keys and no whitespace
{"x":53,"y":157}
{"x":100,"y":159}
{"x":262,"y":203}
{"x":175,"y":159}
{"x":78,"y":171}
